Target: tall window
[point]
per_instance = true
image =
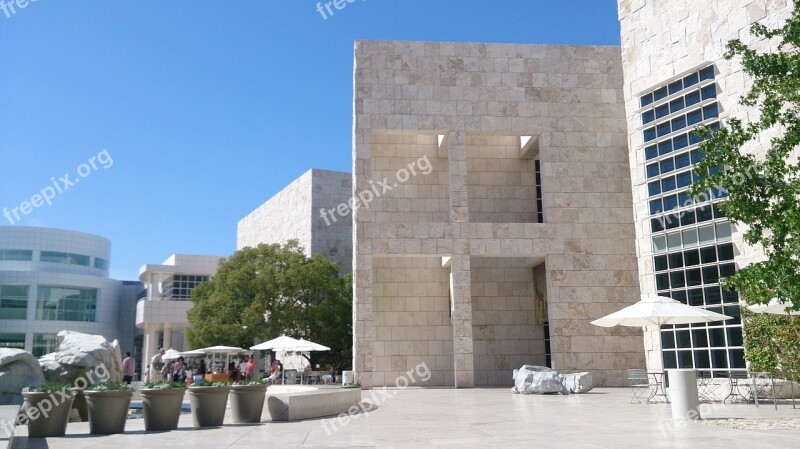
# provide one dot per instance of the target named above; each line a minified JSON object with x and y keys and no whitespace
{"x":43,"y":344}
{"x":539,"y":205}
{"x":66,"y":304}
{"x":13,"y":302}
{"x":691,"y":241}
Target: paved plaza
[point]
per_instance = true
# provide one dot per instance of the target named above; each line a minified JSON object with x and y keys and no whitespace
{"x":445,"y":418}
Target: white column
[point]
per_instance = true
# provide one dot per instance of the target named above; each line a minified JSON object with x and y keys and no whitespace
{"x":683,"y":394}
{"x":150,"y":341}
{"x":167,"y":336}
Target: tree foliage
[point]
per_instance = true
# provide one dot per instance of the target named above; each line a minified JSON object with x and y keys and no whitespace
{"x":772,"y":342}
{"x":301,"y":297}
{"x":762,"y":192}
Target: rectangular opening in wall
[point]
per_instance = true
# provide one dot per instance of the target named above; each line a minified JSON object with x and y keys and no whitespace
{"x":508,"y":315}
{"x":503,"y":181}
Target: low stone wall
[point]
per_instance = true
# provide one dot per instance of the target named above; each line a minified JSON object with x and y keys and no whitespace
{"x":315,"y":403}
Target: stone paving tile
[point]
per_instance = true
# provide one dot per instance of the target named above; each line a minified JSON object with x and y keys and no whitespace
{"x":442,"y":418}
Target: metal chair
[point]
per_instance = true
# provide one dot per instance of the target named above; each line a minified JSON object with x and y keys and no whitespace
{"x":639,"y":382}
{"x":738,"y":382}
{"x":706,"y":387}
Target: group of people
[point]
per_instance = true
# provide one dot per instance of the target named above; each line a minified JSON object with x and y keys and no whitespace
{"x":169,"y":370}
{"x":244,"y":370}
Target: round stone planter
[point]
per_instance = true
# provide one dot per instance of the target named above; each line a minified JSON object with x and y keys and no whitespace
{"x":48,"y":413}
{"x":162,"y":408}
{"x":247,"y":403}
{"x":108,"y":411}
{"x":208,"y":405}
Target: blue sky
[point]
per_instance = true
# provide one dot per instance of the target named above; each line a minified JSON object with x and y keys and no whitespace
{"x":207,"y":108}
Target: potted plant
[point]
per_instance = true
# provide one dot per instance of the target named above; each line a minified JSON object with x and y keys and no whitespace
{"x":209,"y":401}
{"x":47,"y":408}
{"x":247,"y":400}
{"x":108,"y":404}
{"x":161,"y":404}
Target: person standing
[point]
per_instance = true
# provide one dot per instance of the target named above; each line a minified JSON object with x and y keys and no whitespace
{"x":178,"y":371}
{"x":249,"y":368}
{"x":156,"y":365}
{"x":128,"y":368}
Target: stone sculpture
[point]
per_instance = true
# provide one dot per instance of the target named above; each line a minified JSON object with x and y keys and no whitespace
{"x":543,"y":380}
{"x":18,"y":369}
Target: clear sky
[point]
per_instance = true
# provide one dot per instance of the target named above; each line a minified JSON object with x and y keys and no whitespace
{"x":202,"y":110}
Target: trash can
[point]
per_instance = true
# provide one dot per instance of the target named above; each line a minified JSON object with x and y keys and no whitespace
{"x":683,"y":394}
{"x":347,"y":377}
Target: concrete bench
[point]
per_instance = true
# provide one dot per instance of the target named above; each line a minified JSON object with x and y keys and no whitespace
{"x":310,"y":402}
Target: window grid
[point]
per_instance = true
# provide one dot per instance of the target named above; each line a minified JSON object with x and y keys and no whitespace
{"x":179,"y":287}
{"x":691,"y":245}
{"x":66,"y":304}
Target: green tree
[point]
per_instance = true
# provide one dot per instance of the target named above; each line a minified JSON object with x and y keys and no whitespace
{"x":272,"y":290}
{"x":772,"y":342}
{"x":762,"y":192}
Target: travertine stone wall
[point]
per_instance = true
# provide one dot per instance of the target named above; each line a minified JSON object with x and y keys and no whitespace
{"x":294,"y":213}
{"x":664,"y":40}
{"x":412,"y":317}
{"x":459,"y":104}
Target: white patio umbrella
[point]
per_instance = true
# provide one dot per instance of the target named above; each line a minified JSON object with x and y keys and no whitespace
{"x":227,"y":350}
{"x":775,"y":307}
{"x":282,"y":343}
{"x":193,"y":353}
{"x":311,"y":346}
{"x":170,"y":354}
{"x":658,"y":310}
{"x":221,"y":350}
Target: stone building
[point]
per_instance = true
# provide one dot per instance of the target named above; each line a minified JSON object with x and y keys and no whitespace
{"x":675,"y":79}
{"x":309,"y":210}
{"x":499,"y":222}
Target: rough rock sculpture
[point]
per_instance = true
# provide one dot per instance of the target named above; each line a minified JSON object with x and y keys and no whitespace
{"x":77,"y":354}
{"x":18,"y":369}
{"x":543,"y":380}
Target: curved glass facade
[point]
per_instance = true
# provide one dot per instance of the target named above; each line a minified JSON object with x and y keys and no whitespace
{"x":53,"y":280}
